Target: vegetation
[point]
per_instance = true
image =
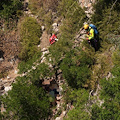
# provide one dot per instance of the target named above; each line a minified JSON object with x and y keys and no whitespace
{"x":27,"y":99}
{"x":24,"y":66}
{"x":79,"y":98}
{"x":75,"y":67}
{"x":109,"y":33}
{"x":110,"y":39}
{"x":107,"y":18}
{"x":9,"y":8}
{"x":75,"y":63}
{"x":30,"y":32}
{"x":71,"y":24}
{"x":82,"y":68}
{"x":40,"y":5}
{"x":44,"y":9}
{"x":110,"y":93}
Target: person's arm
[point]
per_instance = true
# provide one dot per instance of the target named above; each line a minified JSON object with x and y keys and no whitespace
{"x":56,"y":39}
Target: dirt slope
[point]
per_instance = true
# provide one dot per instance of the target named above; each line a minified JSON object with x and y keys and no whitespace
{"x":44,"y":40}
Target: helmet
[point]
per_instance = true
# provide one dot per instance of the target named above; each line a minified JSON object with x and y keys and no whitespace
{"x":86,"y":26}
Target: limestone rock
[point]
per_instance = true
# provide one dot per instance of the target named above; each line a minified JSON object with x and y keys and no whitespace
{"x":8,"y":88}
{"x":58,"y":118}
{"x":1,"y":59}
{"x":55,"y":27}
{"x":43,"y":28}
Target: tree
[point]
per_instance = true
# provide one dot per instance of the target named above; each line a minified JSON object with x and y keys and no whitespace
{"x":30,"y":32}
{"x":26,"y":101}
{"x":79,"y":98}
{"x":107,"y":11}
{"x":9,"y":8}
{"x":75,"y":67}
{"x":110,"y":92}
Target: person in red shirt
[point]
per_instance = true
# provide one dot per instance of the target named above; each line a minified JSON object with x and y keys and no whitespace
{"x":53,"y":39}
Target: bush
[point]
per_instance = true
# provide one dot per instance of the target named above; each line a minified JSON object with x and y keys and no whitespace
{"x":106,"y":18}
{"x":24,"y":66}
{"x":46,"y":5}
{"x":110,"y":93}
{"x":30,"y":32}
{"x":9,"y":8}
{"x":79,"y":98}
{"x":46,"y":10}
{"x":26,"y":101}
{"x":116,"y":57}
{"x":75,"y":68}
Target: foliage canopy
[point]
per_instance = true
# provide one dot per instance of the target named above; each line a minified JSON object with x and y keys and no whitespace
{"x":9,"y":8}
{"x":30,"y":32}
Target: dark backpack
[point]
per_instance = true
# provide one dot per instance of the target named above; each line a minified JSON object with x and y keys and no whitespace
{"x":95,"y":28}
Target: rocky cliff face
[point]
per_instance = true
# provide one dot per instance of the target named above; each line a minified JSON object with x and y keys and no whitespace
{"x":87,"y":4}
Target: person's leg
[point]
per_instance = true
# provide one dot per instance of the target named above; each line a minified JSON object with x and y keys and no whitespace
{"x":94,"y":44}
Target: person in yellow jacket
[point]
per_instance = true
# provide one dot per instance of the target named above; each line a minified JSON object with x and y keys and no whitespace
{"x":91,"y":36}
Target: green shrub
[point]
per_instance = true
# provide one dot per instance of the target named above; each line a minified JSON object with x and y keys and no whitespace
{"x":110,"y":92}
{"x":24,"y":66}
{"x":66,"y":6}
{"x":30,"y":32}
{"x":75,"y":67}
{"x":9,"y":8}
{"x":26,"y":101}
{"x":46,"y":6}
{"x":77,"y":114}
{"x":116,"y":57}
{"x":106,"y":18}
{"x":45,"y":10}
{"x":79,"y":98}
